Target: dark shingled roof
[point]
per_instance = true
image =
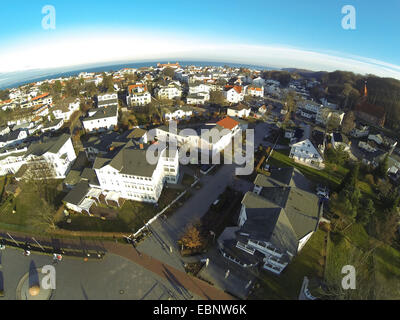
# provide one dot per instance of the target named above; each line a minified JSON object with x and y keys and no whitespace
{"x":103,"y":112}
{"x":46,"y":144}
{"x":77,"y":194}
{"x":130,"y":159}
{"x":284,"y":212}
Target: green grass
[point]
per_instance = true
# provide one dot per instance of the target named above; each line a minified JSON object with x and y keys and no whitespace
{"x":331,"y":175}
{"x":130,"y":217}
{"x":288,"y":284}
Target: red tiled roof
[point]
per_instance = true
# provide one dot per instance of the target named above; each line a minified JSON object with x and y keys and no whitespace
{"x":44,"y":95}
{"x":139,"y":85}
{"x":238,"y":89}
{"x":228,"y":123}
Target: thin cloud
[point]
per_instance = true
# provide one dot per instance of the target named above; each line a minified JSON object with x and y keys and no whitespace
{"x":72,"y":50}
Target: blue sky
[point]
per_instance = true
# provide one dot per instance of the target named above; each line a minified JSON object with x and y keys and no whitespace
{"x":307,"y":26}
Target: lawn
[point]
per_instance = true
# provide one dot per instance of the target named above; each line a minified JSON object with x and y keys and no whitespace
{"x":379,"y":271}
{"x":22,"y":205}
{"x":331,"y":176}
{"x":130,"y":217}
{"x":286,"y":286}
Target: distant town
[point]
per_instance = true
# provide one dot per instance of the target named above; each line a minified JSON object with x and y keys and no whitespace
{"x":323,"y":193}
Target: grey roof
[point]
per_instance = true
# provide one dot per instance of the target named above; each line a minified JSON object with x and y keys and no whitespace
{"x":130,"y":159}
{"x":103,"y":112}
{"x":77,"y":194}
{"x":136,"y":133}
{"x":73,"y":177}
{"x":46,"y":144}
{"x":50,"y":124}
{"x":90,"y":176}
{"x":284,"y":211}
{"x":108,"y":102}
{"x":11,"y":136}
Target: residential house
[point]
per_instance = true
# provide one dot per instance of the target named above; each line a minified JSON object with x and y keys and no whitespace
{"x":340,"y":140}
{"x":128,"y":174}
{"x":13,"y":138}
{"x":177,"y":113}
{"x":309,"y":109}
{"x":170,"y":91}
{"x":240,"y":111}
{"x":325,"y":115}
{"x":254,"y":91}
{"x":138,"y":95}
{"x":233,"y":94}
{"x":275,"y":222}
{"x":304,"y":152}
{"x":47,"y":157}
{"x":360,"y":131}
{"x":52,"y":125}
{"x":66,"y":108}
{"x":107,"y":99}
{"x":197,"y":98}
{"x":100,"y":119}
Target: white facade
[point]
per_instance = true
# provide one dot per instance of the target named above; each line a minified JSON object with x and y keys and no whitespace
{"x":240,"y":113}
{"x":101,"y":119}
{"x":11,"y":161}
{"x":198,"y":98}
{"x":325,"y":114}
{"x":140,"y":188}
{"x":66,"y":114}
{"x":169,"y":92}
{"x":12,"y":139}
{"x":234,"y":94}
{"x":178,"y":114}
{"x":138,"y":95}
{"x":59,"y":158}
{"x":255,"y":91}
{"x":108,"y":99}
{"x":305,"y":152}
{"x":202,"y":87}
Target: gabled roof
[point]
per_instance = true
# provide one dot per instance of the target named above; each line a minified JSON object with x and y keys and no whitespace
{"x":284,"y":211}
{"x":130,"y":159}
{"x":103,"y":112}
{"x":228,"y":123}
{"x":44,"y":145}
{"x":77,"y":194}
{"x":44,"y":95}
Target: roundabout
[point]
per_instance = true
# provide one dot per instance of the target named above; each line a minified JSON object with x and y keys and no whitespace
{"x":29,"y":287}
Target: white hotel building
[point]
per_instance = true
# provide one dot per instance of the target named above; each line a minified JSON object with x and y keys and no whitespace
{"x":130,"y":176}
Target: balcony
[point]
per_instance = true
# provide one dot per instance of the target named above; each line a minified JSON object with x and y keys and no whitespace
{"x":244,"y":247}
{"x":272,"y":268}
{"x":261,"y":246}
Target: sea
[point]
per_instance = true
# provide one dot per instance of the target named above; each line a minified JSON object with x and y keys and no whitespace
{"x":16,"y":79}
